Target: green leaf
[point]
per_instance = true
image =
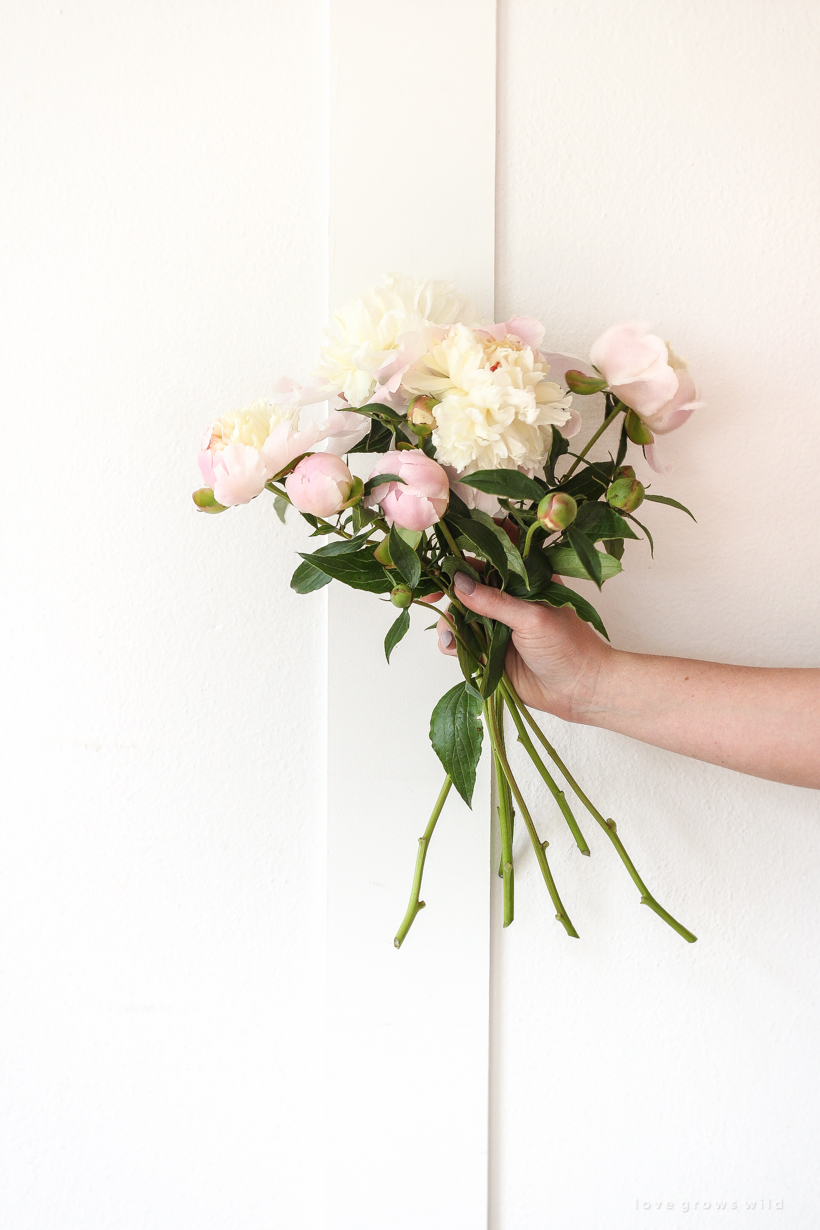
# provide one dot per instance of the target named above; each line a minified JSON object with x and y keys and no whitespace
{"x":566,"y":563}
{"x":632,"y":517}
{"x":456,"y":734}
{"x":469,"y":654}
{"x":280,"y":507}
{"x":378,"y":440}
{"x":405,"y":558}
{"x":496,"y":658}
{"x":395,"y":633}
{"x":379,"y":479}
{"x":514,"y":561}
{"x":484,"y":541}
{"x":361,"y":516}
{"x":599,"y":521}
{"x":510,"y":483}
{"x":451,"y":564}
{"x":360,"y":570}
{"x":666,"y":499}
{"x":344,"y":546}
{"x":376,"y":410}
{"x":307,"y":578}
{"x":589,"y":557}
{"x":562,"y":595}
{"x":558,"y":447}
{"x":615,"y":547}
{"x":623,"y":445}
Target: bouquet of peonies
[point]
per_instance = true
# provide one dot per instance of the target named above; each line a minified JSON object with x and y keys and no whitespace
{"x":475,"y":473}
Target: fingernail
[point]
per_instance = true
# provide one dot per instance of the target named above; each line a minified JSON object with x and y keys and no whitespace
{"x":446,"y":638}
{"x":464,"y":583}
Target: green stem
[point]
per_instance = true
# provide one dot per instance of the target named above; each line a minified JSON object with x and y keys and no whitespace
{"x":416,"y":905}
{"x":528,"y":540}
{"x":442,"y":525}
{"x":607,"y":825}
{"x":505,"y":816}
{"x":446,"y":616}
{"x":619,"y":407}
{"x":552,"y":785}
{"x":331,"y":529}
{"x":538,"y":846}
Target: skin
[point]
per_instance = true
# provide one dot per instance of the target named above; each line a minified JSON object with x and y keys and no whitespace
{"x":764,"y":721}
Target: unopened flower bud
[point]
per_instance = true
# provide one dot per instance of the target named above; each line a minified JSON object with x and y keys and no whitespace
{"x":402,"y":596}
{"x":206,"y":501}
{"x":557,"y":511}
{"x":382,"y":554}
{"x":625,"y":494}
{"x":585,"y":385}
{"x":637,"y":430}
{"x":420,"y":411}
{"x":626,"y":472}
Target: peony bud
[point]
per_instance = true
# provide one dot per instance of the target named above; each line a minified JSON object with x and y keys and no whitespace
{"x":637,"y":430}
{"x":626,"y":472}
{"x":402,"y":596}
{"x":625,"y":494}
{"x":557,"y":511}
{"x":320,"y":484}
{"x":577,"y":382}
{"x":420,"y":411}
{"x":206,"y":501}
{"x":382,"y":554}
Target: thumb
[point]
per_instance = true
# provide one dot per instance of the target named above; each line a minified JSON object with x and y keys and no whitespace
{"x":485,"y":600}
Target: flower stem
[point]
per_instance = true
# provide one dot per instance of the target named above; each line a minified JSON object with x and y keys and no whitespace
{"x":505,"y":816}
{"x":442,"y":525}
{"x":619,"y":406}
{"x":608,"y":825}
{"x":528,"y":540}
{"x":415,"y":904}
{"x":538,"y":846}
{"x":552,"y":785}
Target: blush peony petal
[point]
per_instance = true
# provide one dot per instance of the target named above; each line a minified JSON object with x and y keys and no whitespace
{"x":239,"y":474}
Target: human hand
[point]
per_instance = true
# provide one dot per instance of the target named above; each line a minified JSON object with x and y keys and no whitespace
{"x":554,"y":659}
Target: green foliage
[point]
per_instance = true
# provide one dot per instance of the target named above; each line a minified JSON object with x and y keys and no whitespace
{"x":307,"y":578}
{"x":395,"y":632}
{"x":495,"y":658}
{"x":379,"y":439}
{"x":357,"y":568}
{"x":280,"y":507}
{"x":514,"y":561}
{"x":558,"y":448}
{"x":562,"y":595}
{"x":666,"y":499}
{"x":589,"y":558}
{"x":484,"y":541}
{"x":566,"y":563}
{"x":456,"y":734}
{"x":509,"y":483}
{"x":405,"y":558}
{"x":599,"y":522}
{"x":378,"y":480}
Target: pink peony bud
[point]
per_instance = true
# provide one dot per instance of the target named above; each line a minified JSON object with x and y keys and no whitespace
{"x":402,"y":596}
{"x":557,"y":511}
{"x":625,"y":494}
{"x":585,"y":386}
{"x":421,"y":499}
{"x":637,"y":430}
{"x":636,"y":366}
{"x":420,"y":411}
{"x":320,"y":484}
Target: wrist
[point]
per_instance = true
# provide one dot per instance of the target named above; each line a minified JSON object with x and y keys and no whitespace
{"x":595,"y":686}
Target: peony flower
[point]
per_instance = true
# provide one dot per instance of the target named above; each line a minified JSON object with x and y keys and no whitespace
{"x":245,"y":448}
{"x":364,"y":338}
{"x":496,"y":408}
{"x":636,"y":366}
{"x":679,"y":407}
{"x":421,"y":499}
{"x":320,"y":484}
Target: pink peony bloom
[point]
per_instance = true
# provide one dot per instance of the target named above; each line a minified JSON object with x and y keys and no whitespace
{"x":236,"y":473}
{"x":636,"y":366}
{"x":421,"y":499}
{"x":320,"y":484}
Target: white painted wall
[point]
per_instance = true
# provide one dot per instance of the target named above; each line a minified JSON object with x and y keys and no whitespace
{"x":164,"y":220}
{"x":162,"y":900}
{"x":658,"y":161}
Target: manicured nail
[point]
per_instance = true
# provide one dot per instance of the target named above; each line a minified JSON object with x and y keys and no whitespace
{"x":446,"y":638}
{"x":464,"y":583}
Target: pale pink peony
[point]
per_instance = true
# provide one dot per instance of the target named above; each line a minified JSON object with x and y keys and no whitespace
{"x":320,"y":484}
{"x":421,"y":499}
{"x":636,"y":366}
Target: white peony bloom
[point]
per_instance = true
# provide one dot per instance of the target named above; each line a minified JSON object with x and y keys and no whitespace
{"x":364,"y":337}
{"x":496,"y":408}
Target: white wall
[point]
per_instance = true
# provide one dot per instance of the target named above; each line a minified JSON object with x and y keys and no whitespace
{"x":162,"y":901}
{"x":164,"y":221}
{"x":657,"y":161}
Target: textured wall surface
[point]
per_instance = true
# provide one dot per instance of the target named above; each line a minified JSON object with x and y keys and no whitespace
{"x":161,"y":970}
{"x":655,"y":162}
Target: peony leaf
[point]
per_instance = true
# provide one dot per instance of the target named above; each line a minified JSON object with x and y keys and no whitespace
{"x":280,"y":507}
{"x":666,"y":499}
{"x":378,"y":479}
{"x":565,"y":562}
{"x":307,"y":578}
{"x":359,"y":570}
{"x":496,"y":658}
{"x":589,"y":557}
{"x":378,"y":440}
{"x":395,"y":633}
{"x":514,"y":561}
{"x":456,"y":734}
{"x":484,"y":540}
{"x":509,"y":483}
{"x":599,"y":521}
{"x":405,"y":558}
{"x":562,"y":595}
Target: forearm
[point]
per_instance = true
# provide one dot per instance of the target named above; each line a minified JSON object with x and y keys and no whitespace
{"x":762,"y":721}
